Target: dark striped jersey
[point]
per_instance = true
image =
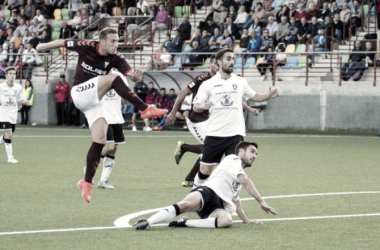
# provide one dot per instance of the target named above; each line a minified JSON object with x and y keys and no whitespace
{"x":193,"y":87}
{"x":91,"y":63}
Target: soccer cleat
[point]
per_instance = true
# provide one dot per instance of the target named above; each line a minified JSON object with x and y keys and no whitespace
{"x":147,"y":128}
{"x":85,"y":187}
{"x":155,"y":128}
{"x":160,"y":128}
{"x":12,"y":160}
{"x":152,"y":112}
{"x":140,"y":224}
{"x":104,"y":185}
{"x":134,"y":129}
{"x":187,"y":183}
{"x":178,"y":153}
{"x":179,"y":223}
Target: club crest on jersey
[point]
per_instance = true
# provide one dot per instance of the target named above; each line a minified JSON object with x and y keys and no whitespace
{"x":15,"y":91}
{"x":226,"y":100}
{"x":111,"y":93}
{"x":234,"y":86}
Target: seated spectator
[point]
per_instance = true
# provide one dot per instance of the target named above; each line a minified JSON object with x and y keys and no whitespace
{"x":95,"y":6}
{"x":30,"y":58}
{"x":282,"y":30}
{"x":227,"y":39}
{"x":2,"y":37}
{"x":16,"y":39}
{"x":356,"y":16}
{"x":267,"y":6}
{"x":167,"y":43}
{"x":325,"y":11}
{"x":161,"y":20}
{"x":232,"y":28}
{"x":78,"y":23}
{"x":13,"y":20}
{"x":266,"y":63}
{"x":354,"y":64}
{"x":281,"y":57}
{"x":314,"y":27}
{"x":292,"y":11}
{"x":194,"y":58}
{"x":220,"y":16}
{"x":254,"y":44}
{"x":177,"y":43}
{"x":18,"y":60}
{"x":3,"y":59}
{"x":203,"y":43}
{"x":26,"y":38}
{"x":44,"y":38}
{"x":345,"y":15}
{"x":322,"y":42}
{"x":249,"y":20}
{"x":65,"y":31}
{"x":22,"y":14}
{"x":93,"y":19}
{"x":340,"y":3}
{"x":266,"y":41}
{"x":11,"y":54}
{"x":291,"y":35}
{"x":244,"y":40}
{"x":229,"y":3}
{"x":9,"y":34}
{"x":260,"y":13}
{"x":338,"y":27}
{"x":141,"y":3}
{"x":216,"y":4}
{"x":313,"y":11}
{"x":47,"y":10}
{"x":184,"y":28}
{"x":34,"y":40}
{"x":39,"y":16}
{"x":209,"y":16}
{"x":255,"y":26}
{"x":232,"y":12}
{"x":334,"y":10}
{"x":45,"y":27}
{"x":163,"y":62}
{"x":370,"y":60}
{"x":277,"y":6}
{"x":283,"y":12}
{"x":21,"y":27}
{"x":301,"y":13}
{"x":272,"y":27}
{"x":35,"y":25}
{"x":196,"y":36}
{"x":30,"y":9}
{"x":199,"y":4}
{"x":215,"y":40}
{"x":210,"y":27}
{"x":241,"y":18}
{"x":328,"y":26}
{"x":303,"y":30}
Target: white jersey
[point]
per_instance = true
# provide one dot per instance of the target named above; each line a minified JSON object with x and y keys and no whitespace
{"x":226,"y":115}
{"x":224,"y":181}
{"x":9,"y":99}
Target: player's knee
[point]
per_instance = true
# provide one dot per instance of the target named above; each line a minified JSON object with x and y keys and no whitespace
{"x":224,"y":221}
{"x":184,"y":206}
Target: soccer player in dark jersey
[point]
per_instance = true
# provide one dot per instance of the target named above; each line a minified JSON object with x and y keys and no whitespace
{"x":91,"y":82}
{"x":196,"y":122}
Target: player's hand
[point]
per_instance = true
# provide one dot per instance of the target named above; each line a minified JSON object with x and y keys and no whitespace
{"x":207,"y":105}
{"x":254,"y":111}
{"x":135,"y":74}
{"x":273,"y":93}
{"x":253,"y":222}
{"x":268,"y":209}
{"x":40,"y":47}
{"x":170,"y":120}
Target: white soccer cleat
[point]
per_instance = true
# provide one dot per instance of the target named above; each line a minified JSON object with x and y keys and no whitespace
{"x":147,"y":129}
{"x":104,"y":185}
{"x":134,"y":129}
{"x":12,"y":160}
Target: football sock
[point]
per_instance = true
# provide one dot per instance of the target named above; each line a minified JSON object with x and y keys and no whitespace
{"x":196,"y":149}
{"x":108,"y":164}
{"x":204,"y":223}
{"x":165,"y":214}
{"x":125,"y":92}
{"x":2,"y":140}
{"x":93,"y":157}
{"x":199,"y":179}
{"x":8,"y":147}
{"x":193,"y":172}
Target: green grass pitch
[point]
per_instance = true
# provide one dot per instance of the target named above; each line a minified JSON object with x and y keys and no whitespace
{"x":39,"y":193}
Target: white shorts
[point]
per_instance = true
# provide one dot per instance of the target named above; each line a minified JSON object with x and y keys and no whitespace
{"x":198,"y":130}
{"x":85,"y":98}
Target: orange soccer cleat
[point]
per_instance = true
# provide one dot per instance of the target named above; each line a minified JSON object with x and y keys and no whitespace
{"x":152,"y":112}
{"x":85,"y":187}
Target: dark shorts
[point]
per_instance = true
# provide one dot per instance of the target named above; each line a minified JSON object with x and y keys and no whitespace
{"x":115,"y":133}
{"x":211,"y":201}
{"x":215,"y":147}
{"x":7,"y":126}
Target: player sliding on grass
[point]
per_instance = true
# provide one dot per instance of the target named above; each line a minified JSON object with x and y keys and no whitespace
{"x":218,"y":198}
{"x":91,"y":82}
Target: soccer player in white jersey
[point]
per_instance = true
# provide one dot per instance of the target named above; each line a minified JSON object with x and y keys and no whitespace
{"x":218,"y":198}
{"x":10,"y":95}
{"x":222,"y":96}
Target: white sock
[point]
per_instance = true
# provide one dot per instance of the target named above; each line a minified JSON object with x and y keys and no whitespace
{"x":204,"y":223}
{"x":108,"y":164}
{"x":197,"y":181}
{"x":9,"y":150}
{"x":165,"y":214}
{"x":2,"y":140}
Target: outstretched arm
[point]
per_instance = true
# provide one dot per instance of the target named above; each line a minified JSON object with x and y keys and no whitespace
{"x":178,"y":102}
{"x":259,"y":97}
{"x":50,"y":45}
{"x":242,"y":215}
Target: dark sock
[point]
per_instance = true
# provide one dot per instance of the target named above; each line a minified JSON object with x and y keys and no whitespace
{"x":177,"y":210}
{"x":196,"y":149}
{"x":194,"y":170}
{"x":202,"y":176}
{"x":122,"y":89}
{"x":93,"y":157}
{"x":112,"y":157}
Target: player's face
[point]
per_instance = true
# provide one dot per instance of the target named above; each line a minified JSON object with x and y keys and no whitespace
{"x":11,"y":76}
{"x":249,"y":156}
{"x":111,"y":44}
{"x":227,"y":62}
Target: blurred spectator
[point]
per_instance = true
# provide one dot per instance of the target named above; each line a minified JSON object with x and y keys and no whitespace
{"x":61,"y":90}
{"x":267,"y":6}
{"x":328,"y":26}
{"x":244,"y":40}
{"x":256,"y":26}
{"x":45,"y":27}
{"x":26,"y":38}
{"x":254,"y":44}
{"x":210,"y":27}
{"x":61,"y":3}
{"x":227,"y":39}
{"x":45,"y":38}
{"x":79,"y":22}
{"x":291,"y":35}
{"x":141,"y":3}
{"x":334,"y":10}
{"x":2,"y":37}
{"x":11,"y":54}
{"x":35,"y":25}
{"x":140,"y":89}
{"x":220,"y":16}
{"x":312,"y":11}
{"x":203,"y":43}
{"x":209,"y":16}
{"x":249,"y":20}
{"x":266,"y":63}
{"x":30,"y":58}
{"x":167,"y":43}
{"x":39,"y":16}
{"x":47,"y":10}
{"x":292,"y":11}
{"x":93,"y":19}
{"x":354,"y":63}
{"x":21,"y":27}
{"x":196,"y":36}
{"x":216,"y":4}
{"x":215,"y":40}
{"x":161,"y":20}
{"x":184,"y":28}
{"x":344,"y":15}
{"x":18,"y":60}
{"x":272,"y":27}
{"x":194,"y":58}
{"x":357,"y":13}
{"x":277,"y":6}
{"x":177,"y":42}
{"x":283,"y":12}
{"x":232,"y":28}
{"x":282,"y":30}
{"x":314,"y":27}
{"x":260,"y":13}
{"x":322,"y":42}
{"x":232,"y":12}
{"x":338,"y":27}
{"x":301,"y":13}
{"x":3,"y":59}
{"x":74,"y":6}
{"x":94,"y":5}
{"x":152,"y":95}
{"x":9,"y":34}
{"x":370,"y":60}
{"x":34,"y":40}
{"x":325,"y":11}
{"x":13,"y":20}
{"x":65,"y":31}
{"x":30,"y":9}
{"x":16,"y":39}
{"x":266,"y":41}
{"x":229,"y":3}
{"x":303,"y":30}
{"x":73,"y":113}
{"x":339,"y":3}
{"x":161,"y":61}
{"x":29,"y":96}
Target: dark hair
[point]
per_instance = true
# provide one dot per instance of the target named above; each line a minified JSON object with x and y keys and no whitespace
{"x":219,"y":55}
{"x":28,"y":80}
{"x":163,"y":89}
{"x":104,"y":32}
{"x":244,"y":145}
{"x":9,"y":69}
{"x":172,"y":89}
{"x":259,"y":4}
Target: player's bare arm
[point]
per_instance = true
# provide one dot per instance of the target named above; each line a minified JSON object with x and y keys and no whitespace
{"x":50,"y":45}
{"x":251,"y":110}
{"x":242,"y":215}
{"x":200,"y":107}
{"x":259,"y":97}
{"x":251,"y":189}
{"x":170,"y":120}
